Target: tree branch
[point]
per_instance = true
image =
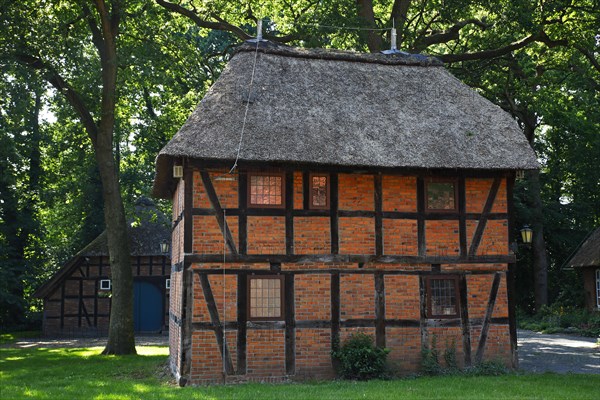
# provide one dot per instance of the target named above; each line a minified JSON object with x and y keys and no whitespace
{"x":589,"y":56}
{"x":485,"y":54}
{"x":221,"y":24}
{"x":65,"y":89}
{"x":453,"y":33}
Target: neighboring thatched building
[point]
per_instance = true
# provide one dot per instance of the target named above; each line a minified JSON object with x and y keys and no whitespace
{"x":372,"y":193}
{"x":77,"y":298}
{"x":587,"y":260}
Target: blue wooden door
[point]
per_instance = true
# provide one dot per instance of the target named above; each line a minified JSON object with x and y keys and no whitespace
{"x":148,"y":307}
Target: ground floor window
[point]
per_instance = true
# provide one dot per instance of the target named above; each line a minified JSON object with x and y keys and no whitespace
{"x":442,"y":297}
{"x":265,"y":298}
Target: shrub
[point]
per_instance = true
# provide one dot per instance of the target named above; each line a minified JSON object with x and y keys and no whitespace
{"x":360,"y":359}
{"x":558,"y":318}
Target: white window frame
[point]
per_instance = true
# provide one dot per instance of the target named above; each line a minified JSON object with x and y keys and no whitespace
{"x":105,"y":284}
{"x":168,"y":283}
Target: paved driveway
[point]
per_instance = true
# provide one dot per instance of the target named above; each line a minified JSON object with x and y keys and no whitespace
{"x":558,"y":353}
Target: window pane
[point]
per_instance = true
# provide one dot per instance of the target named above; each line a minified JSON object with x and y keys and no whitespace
{"x":443,"y":297}
{"x":265,"y":298}
{"x":440,"y":196}
{"x":319,"y":191}
{"x":266,"y":190}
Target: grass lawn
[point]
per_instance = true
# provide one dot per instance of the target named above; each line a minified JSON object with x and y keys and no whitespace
{"x":84,"y":374}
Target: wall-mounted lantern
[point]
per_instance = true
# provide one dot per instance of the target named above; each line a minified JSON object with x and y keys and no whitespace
{"x":164,"y":247}
{"x":526,"y":234}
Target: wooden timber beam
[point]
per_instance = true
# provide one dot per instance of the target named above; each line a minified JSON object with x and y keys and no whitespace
{"x":477,"y":236}
{"x":214,"y":201}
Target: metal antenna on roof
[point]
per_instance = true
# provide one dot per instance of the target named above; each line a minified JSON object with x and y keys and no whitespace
{"x":393,"y":46}
{"x":259,"y":34}
{"x":259,"y":30}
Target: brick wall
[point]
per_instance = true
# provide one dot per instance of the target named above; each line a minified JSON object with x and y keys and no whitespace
{"x":266,"y":235}
{"x":312,"y":337}
{"x":312,"y":235}
{"x":356,"y":192}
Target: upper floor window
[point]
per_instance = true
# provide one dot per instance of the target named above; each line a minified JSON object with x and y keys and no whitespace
{"x":319,"y":191}
{"x":266,"y":190}
{"x":441,"y":195}
{"x":265,"y":298}
{"x":442,"y":297}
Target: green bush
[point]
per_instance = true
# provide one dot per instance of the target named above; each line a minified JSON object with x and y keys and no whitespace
{"x":558,"y":318}
{"x":360,"y":359}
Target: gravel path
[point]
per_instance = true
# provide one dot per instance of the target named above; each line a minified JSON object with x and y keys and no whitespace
{"x":147,"y":340}
{"x":558,"y":353}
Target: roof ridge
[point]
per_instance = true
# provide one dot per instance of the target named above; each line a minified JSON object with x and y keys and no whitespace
{"x":268,"y":47}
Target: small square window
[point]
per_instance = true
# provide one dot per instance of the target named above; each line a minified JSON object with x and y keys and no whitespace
{"x":442,"y":297}
{"x":265,"y":298}
{"x":440,"y":195}
{"x":319,"y":191}
{"x":266,"y":190}
{"x":168,"y":283}
{"x":105,"y":284}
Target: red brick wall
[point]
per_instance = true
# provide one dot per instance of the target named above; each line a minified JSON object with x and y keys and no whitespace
{"x":402,"y":297}
{"x":312,"y":292}
{"x":399,"y":193}
{"x":400,"y":237}
{"x":312,"y":235}
{"x":312,"y":297}
{"x":313,"y":354}
{"x":266,"y":235}
{"x":442,"y":238}
{"x":357,"y":235}
{"x":266,"y":353}
{"x":356,"y":192}
{"x":357,"y":296}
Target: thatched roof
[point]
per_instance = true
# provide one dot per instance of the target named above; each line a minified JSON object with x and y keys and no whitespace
{"x":588,"y":254}
{"x":147,"y":229}
{"x":349,"y":109}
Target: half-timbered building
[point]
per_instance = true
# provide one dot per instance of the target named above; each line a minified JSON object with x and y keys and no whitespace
{"x":77,"y":299}
{"x":586,"y":260}
{"x":317,"y":193}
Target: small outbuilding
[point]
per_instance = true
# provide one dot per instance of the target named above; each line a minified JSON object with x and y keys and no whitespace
{"x":587,"y":261}
{"x":77,"y":299}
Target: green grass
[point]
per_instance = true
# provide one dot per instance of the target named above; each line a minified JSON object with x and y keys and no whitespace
{"x":84,"y":374}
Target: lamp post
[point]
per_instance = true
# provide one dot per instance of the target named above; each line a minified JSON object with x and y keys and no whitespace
{"x":164,"y":247}
{"x":526,"y":234}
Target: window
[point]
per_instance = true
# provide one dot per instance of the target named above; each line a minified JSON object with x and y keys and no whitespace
{"x":441,"y":195}
{"x":319,"y":191}
{"x":266,"y":190}
{"x":442,"y":297}
{"x":598,"y":288}
{"x":265,"y":298}
{"x":104,"y":284}
{"x":168,"y":283}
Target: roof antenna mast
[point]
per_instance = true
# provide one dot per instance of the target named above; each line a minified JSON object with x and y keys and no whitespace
{"x":259,"y":34}
{"x":393,"y":46}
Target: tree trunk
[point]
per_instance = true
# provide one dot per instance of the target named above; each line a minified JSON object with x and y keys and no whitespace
{"x":540,"y":257}
{"x":121,"y":338}
{"x":365,"y":12}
